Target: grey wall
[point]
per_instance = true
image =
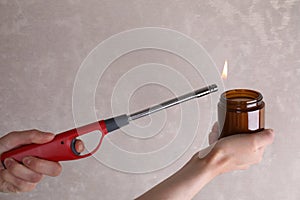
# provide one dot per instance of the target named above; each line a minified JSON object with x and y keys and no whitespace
{"x":42,"y":44}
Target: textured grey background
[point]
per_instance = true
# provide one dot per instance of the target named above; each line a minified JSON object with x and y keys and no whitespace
{"x":42,"y":44}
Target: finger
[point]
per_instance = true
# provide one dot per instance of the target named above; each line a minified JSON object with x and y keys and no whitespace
{"x":21,"y":171}
{"x":15,"y":184}
{"x":46,"y":167}
{"x":7,"y":187}
{"x":214,"y":134}
{"x":79,"y":146}
{"x":15,"y":139}
{"x":258,"y":156}
{"x":263,"y":138}
{"x":243,"y":167}
{"x":215,"y":127}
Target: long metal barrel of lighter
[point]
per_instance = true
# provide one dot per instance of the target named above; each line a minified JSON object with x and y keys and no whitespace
{"x":172,"y":102}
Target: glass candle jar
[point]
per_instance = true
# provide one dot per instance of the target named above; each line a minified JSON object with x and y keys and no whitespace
{"x":241,"y":111}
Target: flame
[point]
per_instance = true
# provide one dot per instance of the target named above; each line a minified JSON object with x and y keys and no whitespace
{"x":225,"y":71}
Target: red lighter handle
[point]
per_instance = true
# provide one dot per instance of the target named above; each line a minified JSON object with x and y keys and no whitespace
{"x":61,"y":148}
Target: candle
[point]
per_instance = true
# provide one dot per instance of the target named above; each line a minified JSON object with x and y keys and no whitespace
{"x":241,"y":111}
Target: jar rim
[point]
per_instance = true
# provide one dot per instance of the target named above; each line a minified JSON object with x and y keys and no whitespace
{"x":244,"y":96}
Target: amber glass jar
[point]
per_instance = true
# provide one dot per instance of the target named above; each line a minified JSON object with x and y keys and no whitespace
{"x":241,"y":111}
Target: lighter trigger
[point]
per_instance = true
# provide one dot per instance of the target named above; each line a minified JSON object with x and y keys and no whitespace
{"x":73,"y":147}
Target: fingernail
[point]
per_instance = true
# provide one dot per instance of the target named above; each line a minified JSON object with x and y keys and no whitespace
{"x":8,"y":162}
{"x":271,"y":131}
{"x":80,"y":148}
{"x":49,"y":134}
{"x":26,"y":161}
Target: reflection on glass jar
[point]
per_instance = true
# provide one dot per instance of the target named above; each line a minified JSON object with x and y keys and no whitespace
{"x":241,"y":111}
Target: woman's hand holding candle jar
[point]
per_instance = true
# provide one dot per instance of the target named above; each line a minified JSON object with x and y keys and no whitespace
{"x":236,"y":152}
{"x":231,"y":153}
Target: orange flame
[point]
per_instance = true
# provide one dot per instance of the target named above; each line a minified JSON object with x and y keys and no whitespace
{"x":225,"y":71}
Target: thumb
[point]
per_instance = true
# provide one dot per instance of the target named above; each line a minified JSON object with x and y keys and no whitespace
{"x":263,"y":138}
{"x":18,"y":138}
{"x":214,"y":134}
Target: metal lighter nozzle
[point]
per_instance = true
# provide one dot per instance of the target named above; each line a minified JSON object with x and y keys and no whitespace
{"x":186,"y":97}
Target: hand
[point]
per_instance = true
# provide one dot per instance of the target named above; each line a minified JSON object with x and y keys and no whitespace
{"x":227,"y":154}
{"x":24,"y":177}
{"x":237,"y":152}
